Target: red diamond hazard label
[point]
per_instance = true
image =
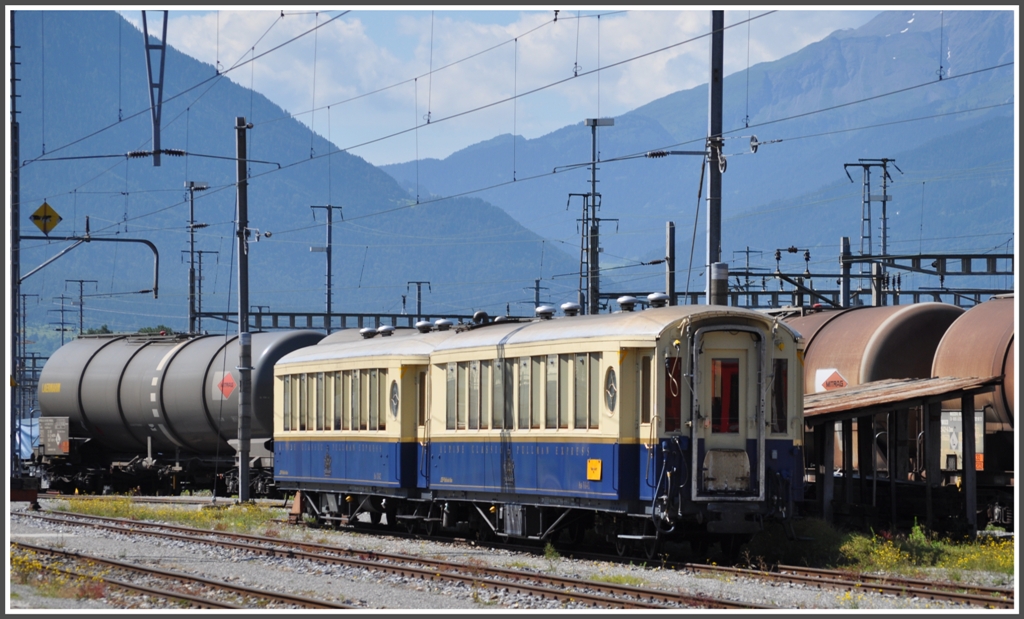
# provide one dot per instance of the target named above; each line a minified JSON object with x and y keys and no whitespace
{"x":834,"y":381}
{"x":227,"y":385}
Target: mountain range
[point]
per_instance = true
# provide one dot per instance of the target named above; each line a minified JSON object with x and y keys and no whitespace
{"x":83,"y":104}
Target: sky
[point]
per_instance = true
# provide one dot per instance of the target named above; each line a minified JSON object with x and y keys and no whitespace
{"x":367,"y":74}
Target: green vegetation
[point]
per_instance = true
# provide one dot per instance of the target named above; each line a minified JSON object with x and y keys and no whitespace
{"x":619,"y":579}
{"x":821,"y":545}
{"x":161,"y":329}
{"x":244,"y":518}
{"x":51,"y":580}
{"x":101,"y":331}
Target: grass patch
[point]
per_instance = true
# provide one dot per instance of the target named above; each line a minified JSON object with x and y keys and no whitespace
{"x":619,"y":579}
{"x":242,"y":518}
{"x":28,"y":568}
{"x":906,"y":554}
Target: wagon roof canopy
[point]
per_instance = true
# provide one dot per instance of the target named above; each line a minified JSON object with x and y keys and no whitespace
{"x":885,"y":395}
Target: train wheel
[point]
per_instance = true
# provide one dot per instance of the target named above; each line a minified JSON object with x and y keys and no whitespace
{"x":430,"y":526}
{"x":652,"y":545}
{"x":620,"y":546}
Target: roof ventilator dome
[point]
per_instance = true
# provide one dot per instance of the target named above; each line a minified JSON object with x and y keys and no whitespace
{"x":367,"y":332}
{"x":443,"y":324}
{"x":480,"y":318}
{"x":627,"y":303}
{"x":423,"y":326}
{"x":571,"y":309}
{"x":657,"y":299}
{"x":545,"y":312}
{"x":385,"y":330}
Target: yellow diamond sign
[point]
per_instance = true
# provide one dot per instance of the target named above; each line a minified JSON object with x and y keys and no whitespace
{"x":45,"y":218}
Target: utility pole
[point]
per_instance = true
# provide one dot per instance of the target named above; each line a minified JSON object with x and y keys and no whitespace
{"x":670,"y":262}
{"x":199,"y":291}
{"x":14,"y":276}
{"x":593,"y":233}
{"x":716,"y":163}
{"x":244,"y":338}
{"x":419,"y":297}
{"x":747,"y":251}
{"x":62,"y":325}
{"x":193,"y":187}
{"x":81,"y":299}
{"x":536,"y":288}
{"x":866,"y":199}
{"x":330,"y":230}
{"x":24,"y":380}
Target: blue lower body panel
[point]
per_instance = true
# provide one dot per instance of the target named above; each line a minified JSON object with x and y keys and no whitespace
{"x":348,"y":462}
{"x":598,"y":471}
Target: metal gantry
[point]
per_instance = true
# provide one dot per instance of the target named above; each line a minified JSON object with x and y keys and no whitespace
{"x":156,"y":85}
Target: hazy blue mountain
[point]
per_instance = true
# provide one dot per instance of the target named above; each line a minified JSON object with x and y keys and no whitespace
{"x":967,"y":180}
{"x":91,"y":72}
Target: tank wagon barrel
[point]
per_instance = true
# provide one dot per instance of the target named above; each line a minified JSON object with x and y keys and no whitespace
{"x":137,"y":396}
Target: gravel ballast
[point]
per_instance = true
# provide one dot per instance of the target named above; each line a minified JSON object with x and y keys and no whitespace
{"x":375,"y":590}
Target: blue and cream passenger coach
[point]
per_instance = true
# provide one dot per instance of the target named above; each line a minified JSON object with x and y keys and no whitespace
{"x":667,"y":423}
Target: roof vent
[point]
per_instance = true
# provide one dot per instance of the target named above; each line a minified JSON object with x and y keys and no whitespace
{"x":545,"y":312}
{"x":626,"y":303}
{"x":657,"y":299}
{"x":480,"y":318}
{"x":571,"y":309}
{"x":385,"y":330}
{"x":443,"y":324}
{"x":423,"y":326}
{"x":498,"y":319}
{"x":367,"y":332}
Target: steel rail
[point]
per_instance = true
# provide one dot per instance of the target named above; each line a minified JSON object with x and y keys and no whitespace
{"x":560,"y":588}
{"x":861,"y":584}
{"x":825,"y":574}
{"x":284,"y":598}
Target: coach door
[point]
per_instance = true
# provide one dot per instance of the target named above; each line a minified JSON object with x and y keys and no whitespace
{"x":727,"y":409}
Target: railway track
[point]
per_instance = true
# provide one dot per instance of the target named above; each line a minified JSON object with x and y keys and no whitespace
{"x":581,"y":592}
{"x":179,"y":587}
{"x":988,"y":597}
{"x":975,"y":595}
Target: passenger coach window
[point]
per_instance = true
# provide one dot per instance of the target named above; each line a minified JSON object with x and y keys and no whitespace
{"x":645,"y":389}
{"x":725,"y":405}
{"x":382,"y":399}
{"x":421,"y":397}
{"x":320,"y":401}
{"x":780,"y":396}
{"x":461,"y":403}
{"x":451,"y":396}
{"x":485,"y":394}
{"x":303,"y":401}
{"x":564,"y":389}
{"x":286,"y":415}
{"x":551,"y":411}
{"x":524,"y":393}
{"x":474,"y":395}
{"x":337,"y":400}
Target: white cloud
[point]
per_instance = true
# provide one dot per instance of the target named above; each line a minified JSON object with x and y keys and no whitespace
{"x":366,"y":51}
